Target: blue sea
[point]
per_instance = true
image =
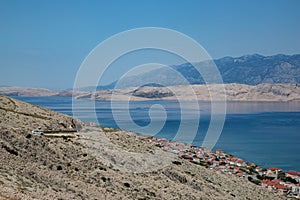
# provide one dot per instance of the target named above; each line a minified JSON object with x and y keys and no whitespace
{"x":265,"y":133}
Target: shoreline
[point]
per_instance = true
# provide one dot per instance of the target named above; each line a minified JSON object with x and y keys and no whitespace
{"x":197,"y":92}
{"x":261,"y":161}
{"x":273,"y":179}
{"x":164,"y":100}
{"x":52,"y":161}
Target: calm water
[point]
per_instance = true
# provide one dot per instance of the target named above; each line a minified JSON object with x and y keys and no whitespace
{"x":267,"y":134}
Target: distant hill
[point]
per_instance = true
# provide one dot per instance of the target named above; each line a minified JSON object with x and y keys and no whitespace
{"x":234,"y":92}
{"x":249,"y":69}
{"x":246,"y":70}
{"x":99,"y":87}
{"x":20,"y":91}
{"x":256,"y":69}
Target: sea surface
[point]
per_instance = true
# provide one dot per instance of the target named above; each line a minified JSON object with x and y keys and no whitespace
{"x":265,"y":133}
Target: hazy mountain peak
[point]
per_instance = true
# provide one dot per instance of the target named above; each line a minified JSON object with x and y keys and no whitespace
{"x":251,"y":69}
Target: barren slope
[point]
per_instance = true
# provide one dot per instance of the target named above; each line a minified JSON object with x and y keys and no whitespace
{"x":234,"y":92}
{"x":37,"y":167}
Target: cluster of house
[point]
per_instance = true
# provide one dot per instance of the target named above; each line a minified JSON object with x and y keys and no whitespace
{"x":274,"y":179}
{"x":284,"y":183}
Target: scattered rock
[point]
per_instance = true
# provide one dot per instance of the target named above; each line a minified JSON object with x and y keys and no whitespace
{"x":127,"y":185}
{"x":10,"y":150}
{"x":176,"y":162}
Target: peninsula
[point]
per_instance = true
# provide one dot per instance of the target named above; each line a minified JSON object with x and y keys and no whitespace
{"x":233,"y":92}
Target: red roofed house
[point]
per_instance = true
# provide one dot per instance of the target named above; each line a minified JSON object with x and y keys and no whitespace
{"x":264,"y":182}
{"x":241,"y":163}
{"x":281,"y":189}
{"x":275,"y":184}
{"x":294,"y":175}
{"x":233,"y":161}
{"x":219,"y":151}
{"x":273,"y":172}
{"x":267,"y":184}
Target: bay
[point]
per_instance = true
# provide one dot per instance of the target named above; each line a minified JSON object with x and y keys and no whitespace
{"x":265,"y":133}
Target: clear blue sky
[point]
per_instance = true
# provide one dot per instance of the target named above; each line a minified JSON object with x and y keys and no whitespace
{"x":42,"y":43}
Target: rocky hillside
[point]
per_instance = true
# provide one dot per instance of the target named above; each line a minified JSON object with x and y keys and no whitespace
{"x":38,"y":167}
{"x":257,"y":69}
{"x":249,"y":69}
{"x":20,"y":91}
{"x":234,"y":92}
{"x":17,"y":115}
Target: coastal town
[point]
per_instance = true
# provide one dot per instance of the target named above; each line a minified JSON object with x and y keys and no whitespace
{"x":273,"y":179}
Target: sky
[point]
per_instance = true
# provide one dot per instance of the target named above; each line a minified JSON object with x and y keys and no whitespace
{"x":43,"y":43}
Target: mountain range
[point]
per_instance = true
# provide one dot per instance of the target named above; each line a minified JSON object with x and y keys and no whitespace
{"x":249,"y":69}
{"x":251,"y":77}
